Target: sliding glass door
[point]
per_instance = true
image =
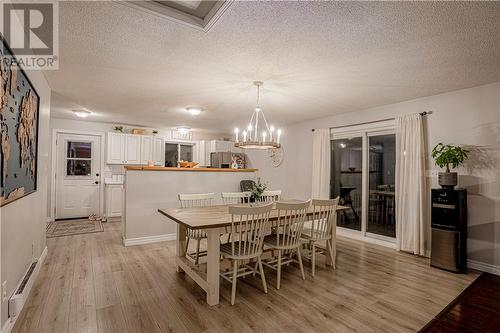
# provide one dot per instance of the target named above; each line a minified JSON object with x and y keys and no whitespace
{"x":363,"y":176}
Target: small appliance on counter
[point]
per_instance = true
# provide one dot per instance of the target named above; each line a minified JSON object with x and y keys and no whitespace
{"x":226,"y":160}
{"x":449,"y":229}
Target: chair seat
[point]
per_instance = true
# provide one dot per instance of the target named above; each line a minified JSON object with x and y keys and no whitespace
{"x":226,"y":250}
{"x":272,"y":241}
{"x":313,"y":235}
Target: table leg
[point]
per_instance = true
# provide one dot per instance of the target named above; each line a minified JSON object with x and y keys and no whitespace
{"x":333,"y":240}
{"x":213,"y":266}
{"x":180,"y":250}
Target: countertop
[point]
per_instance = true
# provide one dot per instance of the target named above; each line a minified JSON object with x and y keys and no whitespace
{"x":160,"y":168}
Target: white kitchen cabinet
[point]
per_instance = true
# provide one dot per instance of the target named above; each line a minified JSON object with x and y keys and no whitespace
{"x":115,"y":148}
{"x":158,"y":151}
{"x":113,"y":200}
{"x":220,"y":146}
{"x":146,"y":148}
{"x":132,"y":149}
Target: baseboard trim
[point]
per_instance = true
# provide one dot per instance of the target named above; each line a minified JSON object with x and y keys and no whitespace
{"x":9,"y":324}
{"x":357,"y":236}
{"x":483,"y":267}
{"x":149,"y":239}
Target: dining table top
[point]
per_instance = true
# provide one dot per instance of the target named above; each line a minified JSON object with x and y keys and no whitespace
{"x":216,"y":216}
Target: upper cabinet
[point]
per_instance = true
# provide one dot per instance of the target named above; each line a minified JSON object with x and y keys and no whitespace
{"x":159,"y":151}
{"x":146,"y":149}
{"x":217,"y":146}
{"x":115,"y":148}
{"x":133,"y":149}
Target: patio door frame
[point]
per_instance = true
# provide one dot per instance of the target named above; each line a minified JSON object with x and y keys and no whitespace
{"x":365,"y":131}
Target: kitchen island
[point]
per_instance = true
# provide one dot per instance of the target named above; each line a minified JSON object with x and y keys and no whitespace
{"x":148,"y":189}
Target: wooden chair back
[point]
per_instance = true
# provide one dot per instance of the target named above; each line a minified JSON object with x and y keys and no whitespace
{"x":235,"y":198}
{"x":271,"y":196}
{"x":196,"y":200}
{"x":291,"y":217}
{"x":322,"y":219}
{"x":248,"y":227}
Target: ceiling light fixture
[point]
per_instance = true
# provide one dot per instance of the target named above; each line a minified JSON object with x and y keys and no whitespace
{"x":183,"y":130}
{"x":252,"y":138}
{"x":194,"y":110}
{"x":82,"y":113}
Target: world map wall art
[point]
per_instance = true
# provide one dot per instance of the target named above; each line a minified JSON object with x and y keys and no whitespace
{"x":19,"y":110}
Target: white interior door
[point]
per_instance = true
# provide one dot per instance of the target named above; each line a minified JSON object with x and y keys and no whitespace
{"x":77,"y":175}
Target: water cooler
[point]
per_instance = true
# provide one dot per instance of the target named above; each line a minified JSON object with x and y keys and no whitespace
{"x":449,"y":229}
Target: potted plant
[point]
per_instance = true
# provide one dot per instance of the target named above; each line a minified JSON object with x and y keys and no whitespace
{"x":258,"y":189}
{"x":449,"y":157}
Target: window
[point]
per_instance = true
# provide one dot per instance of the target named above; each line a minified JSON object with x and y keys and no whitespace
{"x":78,"y":158}
{"x":173,"y":150}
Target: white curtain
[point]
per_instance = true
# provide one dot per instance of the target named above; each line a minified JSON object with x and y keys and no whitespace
{"x":410,"y":184}
{"x":321,"y":164}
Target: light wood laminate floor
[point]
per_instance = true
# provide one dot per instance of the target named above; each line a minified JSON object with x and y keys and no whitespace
{"x":92,"y":283}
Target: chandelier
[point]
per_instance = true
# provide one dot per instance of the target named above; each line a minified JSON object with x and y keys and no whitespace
{"x":251,"y":137}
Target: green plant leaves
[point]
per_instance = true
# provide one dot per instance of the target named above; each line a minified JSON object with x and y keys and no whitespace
{"x":446,"y":156}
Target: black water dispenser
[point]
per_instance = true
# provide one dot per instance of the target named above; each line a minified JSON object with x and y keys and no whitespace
{"x":449,"y":229}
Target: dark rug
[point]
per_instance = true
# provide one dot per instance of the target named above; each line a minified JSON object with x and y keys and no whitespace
{"x":476,"y":309}
{"x":73,"y":227}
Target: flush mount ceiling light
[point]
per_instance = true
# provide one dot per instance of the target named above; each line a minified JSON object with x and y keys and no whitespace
{"x":82,"y":113}
{"x":194,"y":110}
{"x":252,"y":138}
{"x":183,"y":130}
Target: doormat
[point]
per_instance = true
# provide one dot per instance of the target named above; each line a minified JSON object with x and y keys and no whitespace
{"x":73,"y":227}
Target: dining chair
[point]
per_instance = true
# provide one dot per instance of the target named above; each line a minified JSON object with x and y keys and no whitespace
{"x":270,"y":196}
{"x":286,"y":238}
{"x":248,"y":227}
{"x":234,"y":198}
{"x":196,"y":200}
{"x":319,"y":228}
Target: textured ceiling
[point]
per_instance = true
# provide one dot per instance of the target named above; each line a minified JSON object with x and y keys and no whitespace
{"x":316,"y":59}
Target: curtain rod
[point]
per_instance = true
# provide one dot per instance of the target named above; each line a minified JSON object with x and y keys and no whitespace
{"x":376,"y":121}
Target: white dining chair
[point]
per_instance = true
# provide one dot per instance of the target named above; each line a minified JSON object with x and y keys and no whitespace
{"x":270,"y":196}
{"x":286,"y":238}
{"x":248,"y":227}
{"x":234,"y":198}
{"x":196,"y":200}
{"x":319,"y":228}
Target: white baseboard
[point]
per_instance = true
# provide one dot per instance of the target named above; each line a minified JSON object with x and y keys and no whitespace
{"x":148,"y":240}
{"x":481,"y":266}
{"x":357,"y":236}
{"x":9,"y":324}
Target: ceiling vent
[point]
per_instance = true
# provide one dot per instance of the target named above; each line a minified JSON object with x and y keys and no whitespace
{"x":200,"y":14}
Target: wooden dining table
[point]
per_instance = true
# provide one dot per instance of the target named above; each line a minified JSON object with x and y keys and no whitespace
{"x":214,"y":220}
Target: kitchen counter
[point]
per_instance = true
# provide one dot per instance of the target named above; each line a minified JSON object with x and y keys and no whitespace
{"x":160,"y":168}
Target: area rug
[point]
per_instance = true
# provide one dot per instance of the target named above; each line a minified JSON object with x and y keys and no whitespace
{"x":73,"y":227}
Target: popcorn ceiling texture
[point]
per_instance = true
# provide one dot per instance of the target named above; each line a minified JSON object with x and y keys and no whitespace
{"x":316,"y":59}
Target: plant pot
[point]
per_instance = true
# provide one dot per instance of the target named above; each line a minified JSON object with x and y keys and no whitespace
{"x":448,"y":179}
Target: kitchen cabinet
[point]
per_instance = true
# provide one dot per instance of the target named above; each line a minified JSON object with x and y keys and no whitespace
{"x":158,"y":151}
{"x":132,"y":149}
{"x":115,"y":148}
{"x":146,"y":148}
{"x":113,"y":195}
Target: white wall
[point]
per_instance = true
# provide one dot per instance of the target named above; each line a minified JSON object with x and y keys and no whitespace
{"x":23,"y":221}
{"x":466,"y":117}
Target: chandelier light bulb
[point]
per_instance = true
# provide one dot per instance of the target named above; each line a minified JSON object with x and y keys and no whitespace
{"x":244,"y":136}
{"x":236,"y":132}
{"x":279,"y":134}
{"x":264,"y":134}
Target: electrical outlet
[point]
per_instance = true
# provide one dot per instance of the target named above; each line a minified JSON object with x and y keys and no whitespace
{"x":4,"y":291}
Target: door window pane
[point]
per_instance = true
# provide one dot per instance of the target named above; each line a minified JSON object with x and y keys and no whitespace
{"x":346,"y":179}
{"x":381,"y":199}
{"x":79,"y":149}
{"x":187,"y":153}
{"x":78,"y":167}
{"x":171,"y":154}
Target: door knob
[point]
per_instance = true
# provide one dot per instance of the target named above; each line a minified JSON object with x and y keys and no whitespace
{"x":96,"y":182}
